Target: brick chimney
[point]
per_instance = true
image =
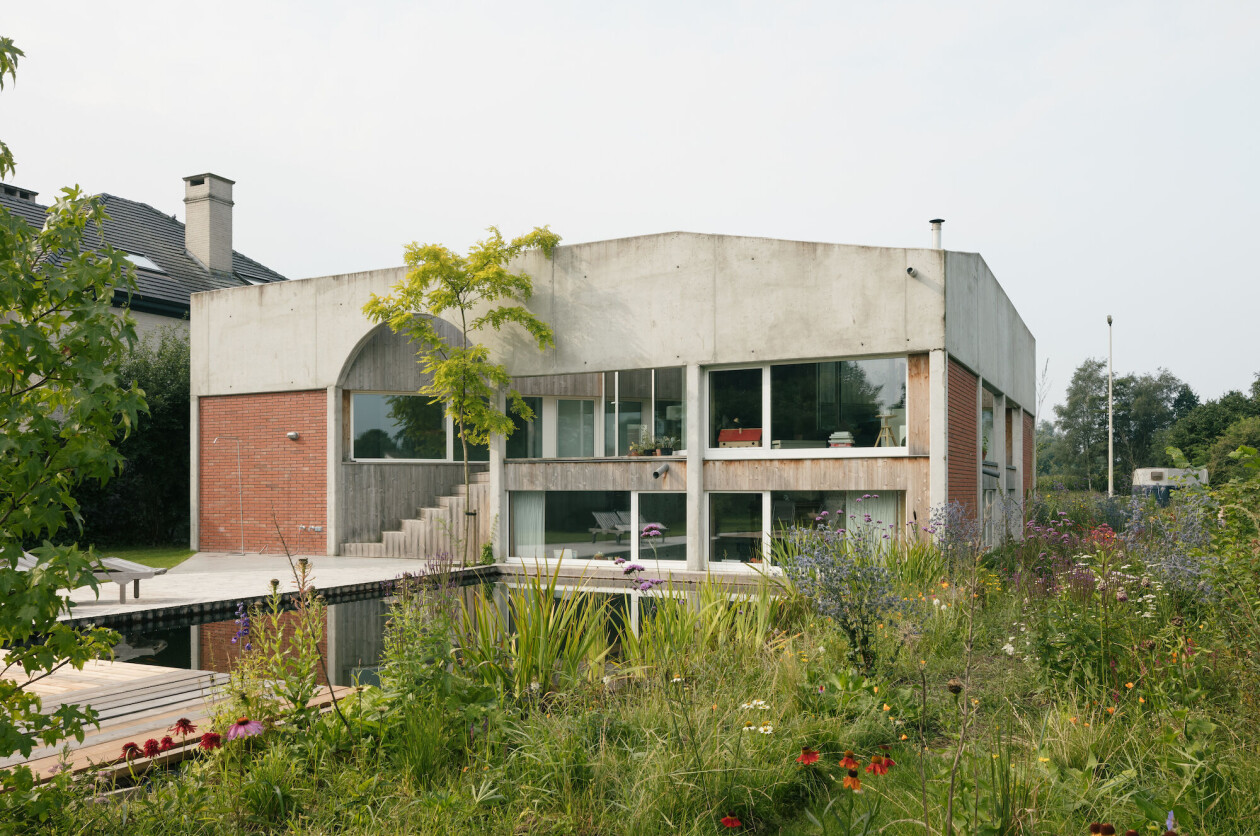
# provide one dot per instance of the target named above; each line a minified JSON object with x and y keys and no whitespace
{"x":208,"y":220}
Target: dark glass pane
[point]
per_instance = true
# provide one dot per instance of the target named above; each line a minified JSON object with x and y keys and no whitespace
{"x":668,"y":513}
{"x":669,"y":415}
{"x":525,"y":442}
{"x":735,"y":526}
{"x":610,"y":413}
{"x":397,"y":427}
{"x":735,"y":408}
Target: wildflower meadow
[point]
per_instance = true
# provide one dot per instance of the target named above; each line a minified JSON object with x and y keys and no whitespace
{"x":1093,"y":668}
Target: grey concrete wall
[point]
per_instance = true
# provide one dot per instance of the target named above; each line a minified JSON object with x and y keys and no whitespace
{"x":656,"y":300}
{"x":984,"y":331}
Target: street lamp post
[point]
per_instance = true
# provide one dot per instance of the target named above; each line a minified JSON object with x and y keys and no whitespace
{"x":1111,"y":457}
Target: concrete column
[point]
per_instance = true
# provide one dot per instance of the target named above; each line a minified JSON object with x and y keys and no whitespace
{"x":938,"y":430}
{"x":194,"y":475}
{"x":697,"y":516}
{"x":498,"y":494}
{"x":332,"y":522}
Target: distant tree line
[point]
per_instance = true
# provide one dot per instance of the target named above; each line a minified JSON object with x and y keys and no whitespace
{"x":1151,"y":413}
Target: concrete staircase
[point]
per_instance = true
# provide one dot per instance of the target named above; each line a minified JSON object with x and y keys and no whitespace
{"x":437,"y":530}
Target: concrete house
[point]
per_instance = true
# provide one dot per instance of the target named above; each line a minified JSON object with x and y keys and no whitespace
{"x":172,"y":260}
{"x":777,"y":380}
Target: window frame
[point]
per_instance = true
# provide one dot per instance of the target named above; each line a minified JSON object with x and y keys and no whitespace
{"x":765,"y":451}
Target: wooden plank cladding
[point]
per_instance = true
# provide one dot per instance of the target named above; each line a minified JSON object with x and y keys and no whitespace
{"x":919,"y":405}
{"x":901,"y":473}
{"x":963,"y":427}
{"x":857,"y":474}
{"x":629,"y":474}
{"x":377,"y":496}
{"x":589,"y":385}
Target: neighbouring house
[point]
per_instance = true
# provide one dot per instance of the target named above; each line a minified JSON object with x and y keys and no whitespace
{"x":776,"y":381}
{"x":172,"y":260}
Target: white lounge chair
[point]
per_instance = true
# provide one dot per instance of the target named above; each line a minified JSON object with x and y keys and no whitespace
{"x":113,"y":569}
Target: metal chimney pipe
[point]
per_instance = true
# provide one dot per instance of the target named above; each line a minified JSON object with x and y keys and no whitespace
{"x":936,"y":232}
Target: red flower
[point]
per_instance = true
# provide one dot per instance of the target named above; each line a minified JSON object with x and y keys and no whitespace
{"x":879,"y":765}
{"x":852,"y":781}
{"x":183,"y":726}
{"x":166,"y":743}
{"x":731,"y":821}
{"x":848,"y":762}
{"x":210,"y":740}
{"x":130,"y":750}
{"x":808,"y":756}
{"x":152,"y":748}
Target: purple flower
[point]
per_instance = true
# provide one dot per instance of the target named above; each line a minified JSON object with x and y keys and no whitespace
{"x":631,"y":569}
{"x":652,"y":530}
{"x":619,"y":560}
{"x":244,"y":727}
{"x":650,"y":583}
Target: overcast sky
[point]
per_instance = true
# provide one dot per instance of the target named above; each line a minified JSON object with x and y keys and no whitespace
{"x":1102,"y":157}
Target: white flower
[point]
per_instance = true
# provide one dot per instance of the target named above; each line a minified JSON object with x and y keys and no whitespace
{"x":676,"y":679}
{"x":755,"y":704}
{"x":766,"y":728}
{"x":1009,"y":649}
{"x":534,"y":686}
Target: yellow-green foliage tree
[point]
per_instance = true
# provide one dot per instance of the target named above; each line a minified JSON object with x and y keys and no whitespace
{"x":473,"y":293}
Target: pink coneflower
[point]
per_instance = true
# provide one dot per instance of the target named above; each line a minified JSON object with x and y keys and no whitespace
{"x":210,"y":741}
{"x":166,"y":743}
{"x":152,"y":748}
{"x":131,"y":750}
{"x":183,"y":726}
{"x":244,"y":727}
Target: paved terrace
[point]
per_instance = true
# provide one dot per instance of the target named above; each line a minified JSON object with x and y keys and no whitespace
{"x":209,"y":585}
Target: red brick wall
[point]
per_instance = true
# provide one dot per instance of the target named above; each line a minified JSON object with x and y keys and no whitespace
{"x":963,"y":413}
{"x":287,"y":478}
{"x":1030,"y":444}
{"x":218,"y":653}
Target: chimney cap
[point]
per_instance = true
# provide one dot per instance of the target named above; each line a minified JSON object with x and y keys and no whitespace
{"x":937,"y":221}
{"x":209,"y":174}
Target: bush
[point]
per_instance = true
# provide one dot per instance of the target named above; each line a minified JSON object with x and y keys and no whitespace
{"x":147,"y":503}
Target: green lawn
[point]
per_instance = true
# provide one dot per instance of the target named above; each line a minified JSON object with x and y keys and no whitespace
{"x":158,"y":557}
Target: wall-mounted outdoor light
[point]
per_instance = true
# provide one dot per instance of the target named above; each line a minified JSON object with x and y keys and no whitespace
{"x":293,"y":436}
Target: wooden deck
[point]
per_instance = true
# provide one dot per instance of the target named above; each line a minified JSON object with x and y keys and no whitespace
{"x":134,"y":703}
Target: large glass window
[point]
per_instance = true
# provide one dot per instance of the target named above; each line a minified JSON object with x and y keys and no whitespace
{"x":735,"y":408}
{"x":841,"y":403}
{"x":570,"y":524}
{"x":735,"y":527}
{"x":397,"y":427}
{"x":665,"y":513}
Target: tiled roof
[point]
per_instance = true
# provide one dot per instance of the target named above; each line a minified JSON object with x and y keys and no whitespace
{"x":139,"y":229}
